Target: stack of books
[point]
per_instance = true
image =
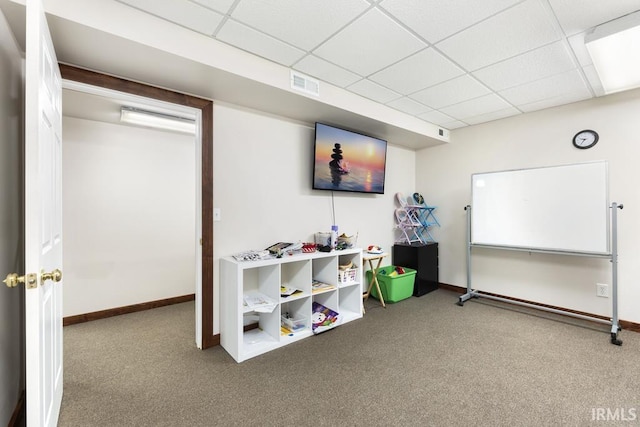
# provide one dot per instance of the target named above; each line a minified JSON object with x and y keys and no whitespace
{"x":319,"y":287}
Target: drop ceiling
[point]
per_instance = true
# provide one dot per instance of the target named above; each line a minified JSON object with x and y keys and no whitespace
{"x":408,"y":71}
{"x":450,"y":63}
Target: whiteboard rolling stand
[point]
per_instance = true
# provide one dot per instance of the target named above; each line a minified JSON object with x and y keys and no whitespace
{"x":613,"y":256}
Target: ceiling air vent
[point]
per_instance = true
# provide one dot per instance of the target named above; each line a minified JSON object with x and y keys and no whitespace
{"x":305,"y":84}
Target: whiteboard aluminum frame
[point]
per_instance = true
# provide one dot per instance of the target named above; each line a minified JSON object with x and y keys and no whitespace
{"x":543,"y":251}
{"x":614,"y":322}
{"x":604,"y":254}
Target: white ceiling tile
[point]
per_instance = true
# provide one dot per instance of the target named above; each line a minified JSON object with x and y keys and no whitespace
{"x":323,"y":70}
{"x":408,"y":106}
{"x":425,"y":68}
{"x":576,"y":42}
{"x":302,"y":23}
{"x":374,"y":91}
{"x":554,"y":102}
{"x":419,"y":55}
{"x":550,"y":87}
{"x":182,"y":12}
{"x":369,"y":44}
{"x":575,"y":16}
{"x":454,"y":125}
{"x":533,"y":65}
{"x":509,"y":33}
{"x":475,"y":107}
{"x":217,"y":5}
{"x":495,"y":115}
{"x":437,"y":19}
{"x":436,"y":117}
{"x":451,"y":92}
{"x":258,"y":43}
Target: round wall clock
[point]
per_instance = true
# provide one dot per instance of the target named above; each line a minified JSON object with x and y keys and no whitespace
{"x":585,"y":139}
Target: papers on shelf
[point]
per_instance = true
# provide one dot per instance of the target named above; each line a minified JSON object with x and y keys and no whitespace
{"x":317,"y":286}
{"x":286,"y":291}
{"x":251,"y":255}
{"x":260,"y":303}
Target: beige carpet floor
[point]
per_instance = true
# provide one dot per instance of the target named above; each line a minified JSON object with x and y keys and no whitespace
{"x":423,"y":361}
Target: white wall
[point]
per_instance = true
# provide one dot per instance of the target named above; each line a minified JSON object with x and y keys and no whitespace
{"x":262,"y":184}
{"x":11,"y":226}
{"x":128,"y":215}
{"x":540,"y":139}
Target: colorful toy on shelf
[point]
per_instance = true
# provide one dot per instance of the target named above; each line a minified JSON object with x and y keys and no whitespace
{"x":322,"y":318}
{"x":308,"y":247}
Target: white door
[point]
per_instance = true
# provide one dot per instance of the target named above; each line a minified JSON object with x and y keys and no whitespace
{"x":43,"y":221}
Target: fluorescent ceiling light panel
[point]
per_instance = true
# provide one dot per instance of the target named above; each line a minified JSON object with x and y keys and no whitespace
{"x":157,"y":120}
{"x":615,"y":50}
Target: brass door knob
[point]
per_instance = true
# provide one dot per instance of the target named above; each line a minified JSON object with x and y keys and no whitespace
{"x":55,"y":275}
{"x":13,"y":279}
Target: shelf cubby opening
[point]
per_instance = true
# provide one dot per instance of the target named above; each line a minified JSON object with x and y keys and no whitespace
{"x":296,"y":275}
{"x":325,"y":270}
{"x":295,"y":315}
{"x":265,"y":280}
{"x":267,"y":331}
{"x":350,"y":302}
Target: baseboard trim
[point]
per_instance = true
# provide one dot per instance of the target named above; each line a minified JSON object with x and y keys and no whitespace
{"x":453,"y":288}
{"x":250,"y":326}
{"x":213,"y":341}
{"x":18,"y":416}
{"x":626,"y":325}
{"x":103,"y":314}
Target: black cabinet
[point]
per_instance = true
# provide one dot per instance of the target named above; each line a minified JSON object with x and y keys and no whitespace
{"x":423,"y":259}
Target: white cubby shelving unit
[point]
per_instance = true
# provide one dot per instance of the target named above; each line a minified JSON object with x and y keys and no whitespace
{"x":263,"y":278}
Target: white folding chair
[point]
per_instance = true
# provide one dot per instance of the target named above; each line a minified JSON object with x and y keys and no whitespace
{"x":409,"y":207}
{"x":408,"y":226}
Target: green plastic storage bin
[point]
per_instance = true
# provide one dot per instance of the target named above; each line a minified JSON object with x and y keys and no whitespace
{"x":394,"y":286}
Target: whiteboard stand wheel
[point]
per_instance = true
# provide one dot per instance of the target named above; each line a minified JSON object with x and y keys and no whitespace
{"x":460,"y":302}
{"x":615,"y":340}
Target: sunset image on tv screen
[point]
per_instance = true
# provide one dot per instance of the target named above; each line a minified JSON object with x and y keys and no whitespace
{"x":348,"y":161}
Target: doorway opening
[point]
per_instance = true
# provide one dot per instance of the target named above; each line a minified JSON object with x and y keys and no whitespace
{"x":202,"y":111}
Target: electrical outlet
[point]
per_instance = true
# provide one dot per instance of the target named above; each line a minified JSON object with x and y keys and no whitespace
{"x":217,"y":216}
{"x":602,"y":290}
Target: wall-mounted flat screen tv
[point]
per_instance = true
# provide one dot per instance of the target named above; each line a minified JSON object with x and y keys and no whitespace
{"x":348,"y":161}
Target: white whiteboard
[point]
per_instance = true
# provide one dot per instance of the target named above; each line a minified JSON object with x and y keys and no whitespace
{"x":558,"y":208}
